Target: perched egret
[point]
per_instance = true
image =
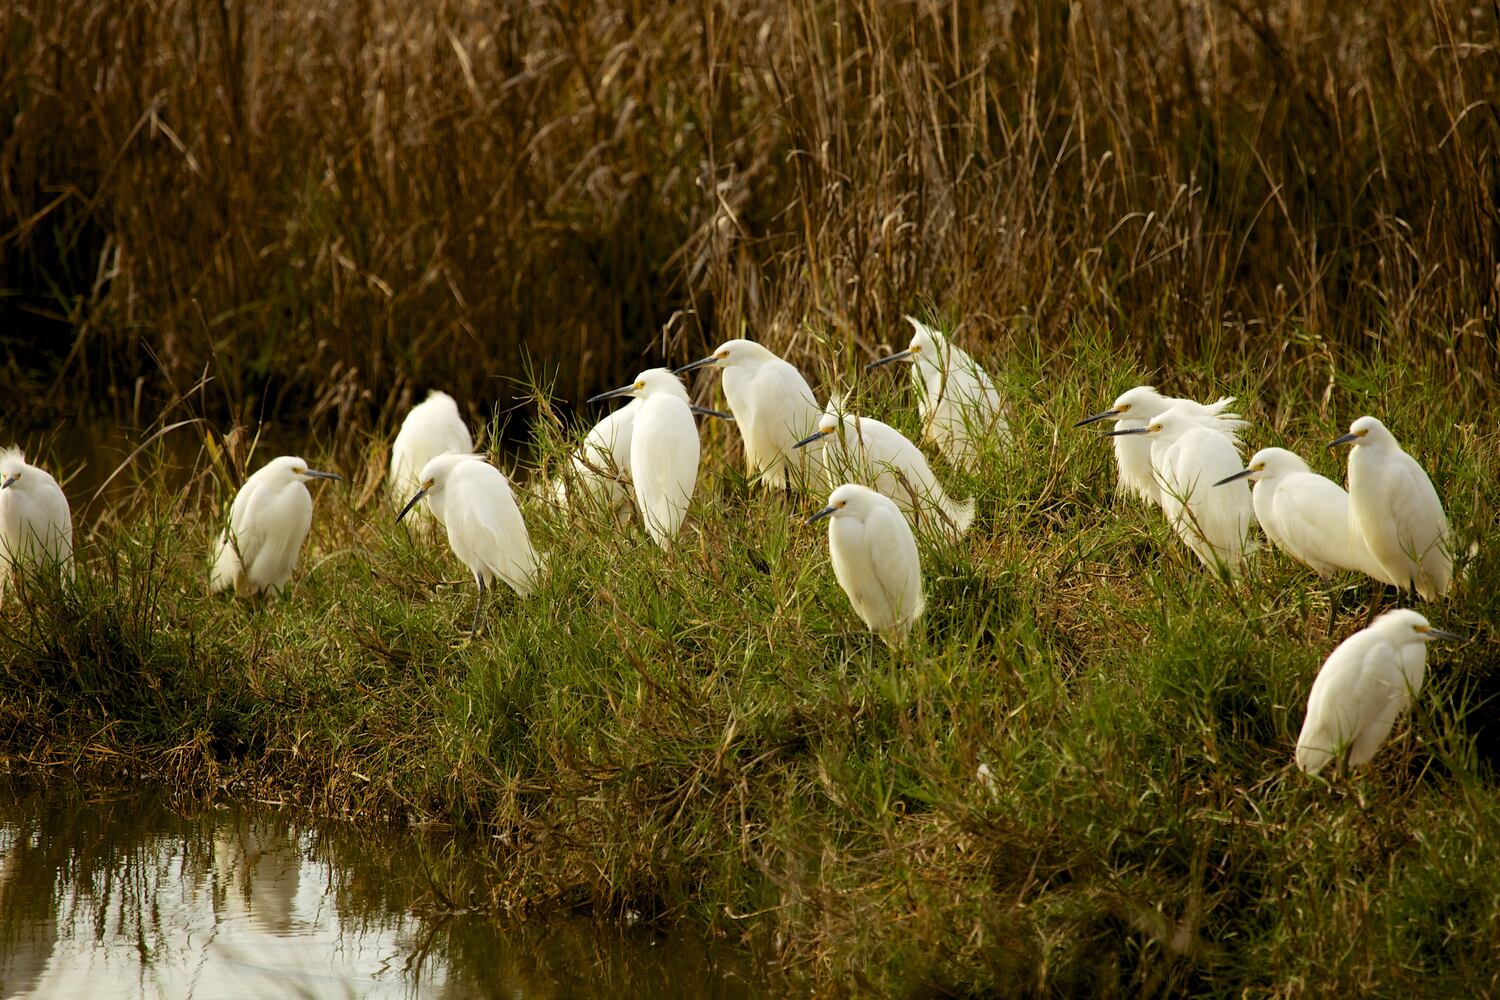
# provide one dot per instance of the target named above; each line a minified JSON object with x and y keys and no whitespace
{"x":432,"y":428}
{"x":867,"y":451}
{"x":1364,"y":685}
{"x":1187,"y":459}
{"x":663,"y":451}
{"x":268,"y":522}
{"x":874,"y":557}
{"x":473,"y":500}
{"x":958,"y":402}
{"x":771,"y":402}
{"x":1135,"y":408}
{"x":36,"y":527}
{"x":1394,"y":508}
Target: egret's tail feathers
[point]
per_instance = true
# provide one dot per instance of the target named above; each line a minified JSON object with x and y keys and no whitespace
{"x":960,"y":514}
{"x":226,"y":568}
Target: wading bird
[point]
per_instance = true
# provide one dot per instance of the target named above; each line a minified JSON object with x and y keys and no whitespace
{"x":957,"y":401}
{"x":1396,"y":511}
{"x":663,"y":451}
{"x":1306,"y":515}
{"x":268,"y":522}
{"x":1134,"y":409}
{"x":874,"y":557}
{"x":432,"y":428}
{"x":771,"y":403}
{"x":1187,"y":458}
{"x":36,"y":526}
{"x":473,"y":500}
{"x":1363,"y":687}
{"x":860,"y":449}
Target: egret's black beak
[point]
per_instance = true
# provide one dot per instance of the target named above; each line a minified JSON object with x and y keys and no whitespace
{"x":711,"y":359}
{"x":1438,"y":633}
{"x":704,"y":411}
{"x":9,"y":482}
{"x":315,"y":474}
{"x":624,"y":390}
{"x":1343,"y":440}
{"x":413,"y":502}
{"x":821,"y":514}
{"x":1238,"y":475}
{"x":898,"y":356}
{"x":1095,"y":417}
{"x":1128,"y":430}
{"x":815,"y":435}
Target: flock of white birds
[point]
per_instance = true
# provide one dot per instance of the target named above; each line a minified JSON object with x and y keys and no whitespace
{"x":642,"y":459}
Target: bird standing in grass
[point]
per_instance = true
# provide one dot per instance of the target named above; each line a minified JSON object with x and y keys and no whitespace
{"x":268,"y":522}
{"x":772,"y":404}
{"x":1395,"y":510}
{"x":1187,"y":458}
{"x":1134,"y":409}
{"x":432,"y":428}
{"x":1363,"y":687}
{"x":600,"y":469}
{"x":958,"y":403}
{"x":875,"y":559}
{"x":663,"y":451}
{"x":1306,"y":515}
{"x":473,"y":500}
{"x":36,"y":526}
{"x":860,"y":449}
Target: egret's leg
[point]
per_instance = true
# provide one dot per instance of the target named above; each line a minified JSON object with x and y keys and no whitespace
{"x":478,"y":606}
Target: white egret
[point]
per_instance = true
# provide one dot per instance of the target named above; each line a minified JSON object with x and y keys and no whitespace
{"x":663,"y":451}
{"x":1135,"y":408}
{"x":771,"y":402}
{"x":868,"y":451}
{"x":36,"y":526}
{"x":957,"y":401}
{"x":1306,"y":515}
{"x":874,"y":557}
{"x":432,"y":428}
{"x":268,"y":522}
{"x":1394,"y":508}
{"x":473,"y":500}
{"x":1363,"y":687}
{"x":1187,"y":458}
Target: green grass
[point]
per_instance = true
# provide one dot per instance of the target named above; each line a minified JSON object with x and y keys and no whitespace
{"x":708,"y":734}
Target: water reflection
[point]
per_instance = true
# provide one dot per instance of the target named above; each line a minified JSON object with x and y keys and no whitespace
{"x":123,"y":897}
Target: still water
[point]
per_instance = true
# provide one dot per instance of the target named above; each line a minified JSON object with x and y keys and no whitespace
{"x":123,"y":896}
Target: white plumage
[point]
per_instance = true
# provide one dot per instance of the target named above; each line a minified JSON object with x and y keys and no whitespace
{"x":664,"y":451}
{"x":432,"y":428}
{"x":473,"y":499}
{"x":772,"y":404}
{"x":1363,"y":687}
{"x":36,"y":525}
{"x":268,"y":522}
{"x":957,"y":401}
{"x":1136,"y":408}
{"x":1305,"y":515}
{"x":875,"y":454}
{"x":600,"y":470}
{"x":1396,"y":511}
{"x":875,"y":558}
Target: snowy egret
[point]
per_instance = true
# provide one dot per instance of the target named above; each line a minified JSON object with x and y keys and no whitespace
{"x":874,"y":557}
{"x":1396,"y":511}
{"x":268,"y":522}
{"x":600,"y":468}
{"x":663,"y":451}
{"x":430,"y":429}
{"x":1187,"y":458}
{"x":958,"y":402}
{"x":1136,"y":408}
{"x":36,"y":526}
{"x":1364,"y":685}
{"x":771,"y":402}
{"x":1306,"y":515}
{"x":876,"y":454}
{"x":473,"y":500}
